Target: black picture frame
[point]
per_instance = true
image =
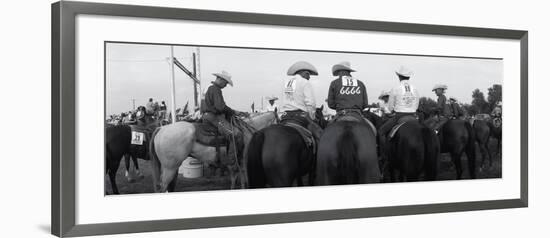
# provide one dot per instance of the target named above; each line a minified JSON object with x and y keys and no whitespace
{"x":63,"y":117}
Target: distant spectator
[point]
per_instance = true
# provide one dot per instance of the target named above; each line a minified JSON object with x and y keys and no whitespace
{"x":162,"y":112}
{"x":150,"y":107}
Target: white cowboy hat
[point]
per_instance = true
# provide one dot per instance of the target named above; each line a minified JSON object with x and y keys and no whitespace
{"x":405,"y":72}
{"x":442,"y":86}
{"x":224,"y":75}
{"x":344,"y":65}
{"x":302,"y":65}
{"x":272,"y":98}
{"x":383,"y":93}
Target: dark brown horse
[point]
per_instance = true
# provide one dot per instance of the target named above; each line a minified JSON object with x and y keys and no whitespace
{"x":413,"y":151}
{"x":278,"y":156}
{"x":482,"y":131}
{"x":347,"y":154}
{"x":496,"y":132}
{"x":457,"y":137}
{"x":118,"y":144}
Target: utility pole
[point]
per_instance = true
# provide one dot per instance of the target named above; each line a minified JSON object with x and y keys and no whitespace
{"x":173,"y":84}
{"x":195,"y":92}
{"x":134,"y":103}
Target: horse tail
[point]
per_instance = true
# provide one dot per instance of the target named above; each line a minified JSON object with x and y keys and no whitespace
{"x":348,"y":163}
{"x":471,"y":149}
{"x":108,"y":156}
{"x":431,"y":153}
{"x":155,"y":162}
{"x":254,"y":164}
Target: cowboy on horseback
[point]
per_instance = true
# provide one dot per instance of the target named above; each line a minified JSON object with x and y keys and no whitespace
{"x":403,"y":101}
{"x":497,"y":114}
{"x":497,"y":111}
{"x":216,"y":113}
{"x":298,"y":103}
{"x":346,"y":95}
{"x":456,"y":112}
{"x":443,"y":110}
{"x":272,"y":106}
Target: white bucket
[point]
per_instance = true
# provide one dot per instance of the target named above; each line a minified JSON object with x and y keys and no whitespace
{"x":191,"y":168}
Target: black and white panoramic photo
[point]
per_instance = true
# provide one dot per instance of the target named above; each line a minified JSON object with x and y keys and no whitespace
{"x":182,"y":118}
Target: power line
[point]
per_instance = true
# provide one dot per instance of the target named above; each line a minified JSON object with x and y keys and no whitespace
{"x":147,"y":60}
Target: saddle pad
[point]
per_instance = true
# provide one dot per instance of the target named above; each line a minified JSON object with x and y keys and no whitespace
{"x":371,"y":126}
{"x":357,"y":118}
{"x":307,"y":136}
{"x":208,"y":135}
{"x":400,"y":123}
{"x":396,"y":128}
{"x":348,"y":118}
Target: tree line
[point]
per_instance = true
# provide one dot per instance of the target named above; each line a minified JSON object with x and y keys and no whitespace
{"x":479,"y":103}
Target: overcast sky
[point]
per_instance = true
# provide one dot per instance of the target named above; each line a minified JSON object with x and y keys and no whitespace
{"x":140,"y":72}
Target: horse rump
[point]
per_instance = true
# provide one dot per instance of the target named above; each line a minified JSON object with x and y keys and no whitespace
{"x":348,"y":163}
{"x":154,"y":160}
{"x":471,"y":149}
{"x":431,"y":153}
{"x":254,"y":164}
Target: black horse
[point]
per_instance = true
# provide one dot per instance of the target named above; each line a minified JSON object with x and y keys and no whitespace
{"x":278,"y":156}
{"x":118,"y":144}
{"x":496,"y":132}
{"x":413,"y":150}
{"x":482,"y":131}
{"x":457,"y":137}
{"x":127,"y":160}
{"x":347,"y":153}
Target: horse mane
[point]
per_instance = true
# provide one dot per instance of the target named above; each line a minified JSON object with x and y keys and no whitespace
{"x":243,"y":125}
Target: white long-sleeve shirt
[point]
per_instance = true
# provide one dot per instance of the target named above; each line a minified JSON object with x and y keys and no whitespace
{"x":271,"y":108}
{"x":298,"y":95}
{"x":404,"y":98}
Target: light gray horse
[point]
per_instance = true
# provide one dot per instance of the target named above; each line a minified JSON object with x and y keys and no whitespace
{"x":172,"y":144}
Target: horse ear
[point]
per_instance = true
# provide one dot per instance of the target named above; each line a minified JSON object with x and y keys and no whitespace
{"x":322,"y":106}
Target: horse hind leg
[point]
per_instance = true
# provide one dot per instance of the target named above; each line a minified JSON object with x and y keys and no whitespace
{"x":172,"y":184}
{"x":112,"y":169}
{"x":167,"y":180}
{"x":486,"y":147}
{"x":127,"y":167}
{"x":456,"y":157}
{"x":471,"y":155}
{"x":136,"y":166}
{"x":299,"y":181}
{"x":112,"y":178}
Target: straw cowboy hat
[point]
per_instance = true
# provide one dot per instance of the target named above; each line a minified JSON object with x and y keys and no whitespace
{"x":224,"y":75}
{"x":452,"y":98}
{"x":272,"y":98}
{"x":383,"y":93}
{"x":344,"y":65}
{"x":442,"y":86}
{"x":499,"y":103}
{"x":302,"y":65}
{"x":404,"y":71}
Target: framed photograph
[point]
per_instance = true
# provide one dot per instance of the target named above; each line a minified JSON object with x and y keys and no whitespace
{"x":205,"y":119}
